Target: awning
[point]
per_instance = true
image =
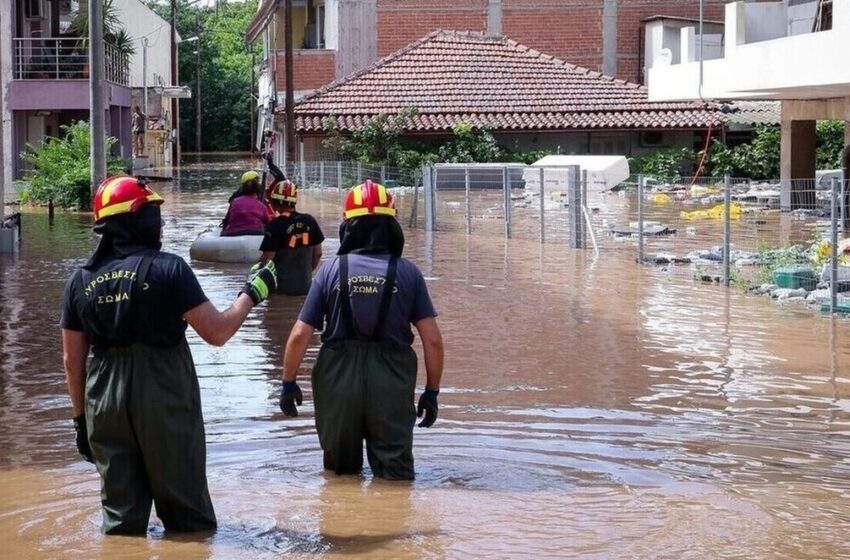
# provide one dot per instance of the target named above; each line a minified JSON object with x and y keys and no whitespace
{"x":181,"y":92}
{"x":260,"y":21}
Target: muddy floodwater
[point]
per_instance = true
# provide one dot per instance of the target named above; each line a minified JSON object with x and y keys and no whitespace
{"x":590,"y":408}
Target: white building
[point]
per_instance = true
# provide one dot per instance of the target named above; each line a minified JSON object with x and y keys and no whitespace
{"x":793,"y":51}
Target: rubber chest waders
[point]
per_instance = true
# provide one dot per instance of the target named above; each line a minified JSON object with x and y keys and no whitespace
{"x":143,"y":411}
{"x":363,"y":389}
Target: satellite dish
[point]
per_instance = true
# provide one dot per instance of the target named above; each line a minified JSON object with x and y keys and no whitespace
{"x":665,"y":57}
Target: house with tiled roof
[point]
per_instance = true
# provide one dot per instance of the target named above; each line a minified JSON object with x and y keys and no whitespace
{"x":528,"y":99}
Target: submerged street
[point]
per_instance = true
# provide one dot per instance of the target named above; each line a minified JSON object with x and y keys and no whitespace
{"x":590,"y":408}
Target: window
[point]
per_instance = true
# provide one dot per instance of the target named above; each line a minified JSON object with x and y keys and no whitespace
{"x":34,"y":8}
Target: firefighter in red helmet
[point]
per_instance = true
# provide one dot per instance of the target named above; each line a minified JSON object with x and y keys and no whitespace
{"x":366,"y":300}
{"x":293,"y":240}
{"x":136,"y":403}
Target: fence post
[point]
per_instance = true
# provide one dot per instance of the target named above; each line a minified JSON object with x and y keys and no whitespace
{"x":359,"y":172}
{"x":727,"y":230}
{"x":574,"y":204}
{"x":584,"y":208}
{"x":833,"y":265}
{"x":339,"y":175}
{"x":542,"y":206}
{"x":468,"y":202}
{"x":322,"y":174}
{"x":506,"y":188}
{"x":427,"y":173}
{"x":414,"y":212}
{"x":383,"y":174}
{"x":640,"y":218}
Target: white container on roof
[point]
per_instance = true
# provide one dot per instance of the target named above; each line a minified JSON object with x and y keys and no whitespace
{"x":603,"y":172}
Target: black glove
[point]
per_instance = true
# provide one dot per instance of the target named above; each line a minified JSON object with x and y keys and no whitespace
{"x":261,"y":282}
{"x":83,"y":438}
{"x":428,"y":405}
{"x":290,"y":394}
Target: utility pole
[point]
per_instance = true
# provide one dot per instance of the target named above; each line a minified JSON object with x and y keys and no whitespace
{"x":198,"y":82}
{"x":175,"y":123}
{"x":252,"y":105}
{"x":290,"y":95}
{"x":96,"y":106}
{"x":145,"y":78}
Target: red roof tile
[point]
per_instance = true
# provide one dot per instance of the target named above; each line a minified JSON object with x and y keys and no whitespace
{"x":454,"y":77}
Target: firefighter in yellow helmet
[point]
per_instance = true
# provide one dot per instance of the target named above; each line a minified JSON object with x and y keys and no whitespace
{"x":366,"y":300}
{"x":293,"y":240}
{"x":136,"y":403}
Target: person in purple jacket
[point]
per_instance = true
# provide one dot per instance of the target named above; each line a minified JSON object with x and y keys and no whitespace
{"x":246,"y":214}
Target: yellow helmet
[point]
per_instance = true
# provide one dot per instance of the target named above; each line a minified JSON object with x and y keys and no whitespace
{"x":249,"y":176}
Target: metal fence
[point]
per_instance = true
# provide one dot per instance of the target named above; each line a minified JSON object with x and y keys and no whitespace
{"x":786,"y":241}
{"x":730,"y":231}
{"x":38,"y":58}
{"x":510,"y":200}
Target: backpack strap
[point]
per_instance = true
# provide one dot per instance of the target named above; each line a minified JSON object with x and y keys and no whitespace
{"x":386,"y":298}
{"x":345,"y":300}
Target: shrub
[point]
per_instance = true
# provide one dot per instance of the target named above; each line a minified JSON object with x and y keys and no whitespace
{"x":664,"y":165}
{"x":61,"y":168}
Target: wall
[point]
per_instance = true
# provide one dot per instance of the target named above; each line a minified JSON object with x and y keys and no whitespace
{"x":568,"y":29}
{"x":765,"y":21}
{"x":400,"y":22}
{"x":311,"y":69}
{"x":141,"y":22}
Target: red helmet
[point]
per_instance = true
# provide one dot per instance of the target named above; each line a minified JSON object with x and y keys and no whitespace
{"x":122,"y":195}
{"x":284,"y":192}
{"x":368,"y":199}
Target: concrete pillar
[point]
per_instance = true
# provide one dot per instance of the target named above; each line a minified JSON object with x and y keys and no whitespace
{"x":798,"y":157}
{"x":609,"y":37}
{"x":494,"y":17}
{"x":7,"y":154}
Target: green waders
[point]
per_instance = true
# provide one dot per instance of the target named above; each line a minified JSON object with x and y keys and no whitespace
{"x":294,"y":270}
{"x":143,"y":409}
{"x":363,"y":388}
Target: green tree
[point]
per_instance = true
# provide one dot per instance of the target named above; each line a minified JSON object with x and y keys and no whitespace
{"x":226,"y":75}
{"x":830,"y":144}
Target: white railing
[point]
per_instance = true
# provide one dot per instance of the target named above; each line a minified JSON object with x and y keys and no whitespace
{"x":65,"y":59}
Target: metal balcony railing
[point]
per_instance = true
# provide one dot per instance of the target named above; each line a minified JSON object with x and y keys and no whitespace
{"x":39,"y":58}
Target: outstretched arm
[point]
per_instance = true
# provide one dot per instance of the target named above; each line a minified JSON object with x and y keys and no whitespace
{"x":217,"y":327}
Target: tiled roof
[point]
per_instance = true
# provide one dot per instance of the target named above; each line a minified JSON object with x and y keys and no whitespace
{"x":752,"y":112}
{"x":491,"y":81}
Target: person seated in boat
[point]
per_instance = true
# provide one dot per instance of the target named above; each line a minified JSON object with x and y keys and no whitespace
{"x":246,"y":215}
{"x":292,"y":240}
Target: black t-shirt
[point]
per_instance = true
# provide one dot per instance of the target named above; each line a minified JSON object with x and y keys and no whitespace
{"x":292,"y":238}
{"x":290,"y":231}
{"x":110,"y":306}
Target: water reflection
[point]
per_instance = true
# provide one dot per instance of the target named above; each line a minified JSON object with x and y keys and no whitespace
{"x":591,"y":409}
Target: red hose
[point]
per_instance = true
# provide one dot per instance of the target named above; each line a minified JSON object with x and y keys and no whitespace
{"x":705,"y":150}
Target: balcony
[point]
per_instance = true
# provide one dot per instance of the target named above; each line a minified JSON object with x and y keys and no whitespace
{"x":65,"y":59}
{"x":770,"y":50}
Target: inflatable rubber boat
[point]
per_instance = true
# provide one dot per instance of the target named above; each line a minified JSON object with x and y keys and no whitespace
{"x":210,"y":246}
